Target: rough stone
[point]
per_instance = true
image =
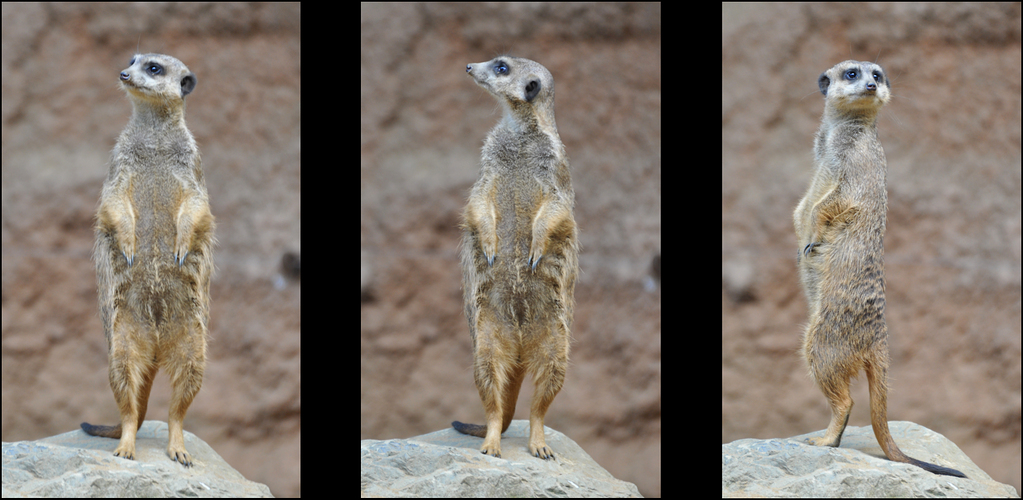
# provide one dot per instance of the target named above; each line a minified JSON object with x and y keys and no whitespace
{"x":75,"y":464}
{"x":792,"y":467}
{"x":448,"y":464}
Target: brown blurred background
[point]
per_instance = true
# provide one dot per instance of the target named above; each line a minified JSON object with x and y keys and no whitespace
{"x":423,"y":123}
{"x":62,"y":112}
{"x":952,"y":251}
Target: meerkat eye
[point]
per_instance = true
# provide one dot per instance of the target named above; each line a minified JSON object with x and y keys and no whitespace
{"x":154,"y":69}
{"x":850,"y":75}
{"x":500,"y":68}
{"x":877,"y":76}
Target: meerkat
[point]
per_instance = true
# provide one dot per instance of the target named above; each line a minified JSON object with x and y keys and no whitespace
{"x":840,"y":226}
{"x":519,"y":253}
{"x":154,"y":253}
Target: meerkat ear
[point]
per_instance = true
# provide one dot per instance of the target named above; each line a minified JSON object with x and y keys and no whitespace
{"x":187,"y":84}
{"x":533,"y":87}
{"x":824,"y":82}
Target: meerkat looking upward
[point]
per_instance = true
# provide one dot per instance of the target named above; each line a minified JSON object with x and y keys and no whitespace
{"x":840,"y":226}
{"x":519,"y":253}
{"x":154,"y":254}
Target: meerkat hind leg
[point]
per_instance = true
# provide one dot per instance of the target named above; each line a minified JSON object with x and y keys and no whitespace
{"x":143,"y":398}
{"x":837,"y":392}
{"x":114,"y":431}
{"x":175,"y":435}
{"x":549,"y":377}
{"x":511,"y":394}
{"x":498,"y":375}
{"x":543,"y":396}
{"x":133,"y":403}
{"x":186,"y":372}
{"x":499,"y":404}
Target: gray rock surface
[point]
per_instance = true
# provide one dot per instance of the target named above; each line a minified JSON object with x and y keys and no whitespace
{"x":448,"y":464}
{"x":75,"y":464}
{"x":791,"y":467}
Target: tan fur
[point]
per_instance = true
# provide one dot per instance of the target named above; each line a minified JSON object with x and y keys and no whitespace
{"x":519,"y":253}
{"x":154,"y":254}
{"x":840,"y":226}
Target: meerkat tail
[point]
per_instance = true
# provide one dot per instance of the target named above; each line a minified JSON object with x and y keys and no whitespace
{"x":936,"y":469}
{"x":470,"y":429}
{"x":892,"y":451}
{"x":109,"y":431}
{"x":879,"y":421}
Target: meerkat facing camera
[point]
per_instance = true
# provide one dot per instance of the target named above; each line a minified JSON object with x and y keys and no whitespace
{"x":519,"y":253}
{"x":840,"y":226}
{"x":154,"y":254}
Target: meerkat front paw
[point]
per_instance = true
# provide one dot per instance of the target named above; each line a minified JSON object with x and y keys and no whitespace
{"x":535,"y":254}
{"x":181,"y":245}
{"x":809,"y":248}
{"x":533,"y":261}
{"x":488,"y":245}
{"x":128,"y":249}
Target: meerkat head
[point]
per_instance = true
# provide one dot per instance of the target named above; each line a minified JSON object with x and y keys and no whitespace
{"x":157,"y":79}
{"x":855,"y":86}
{"x":520,"y":85}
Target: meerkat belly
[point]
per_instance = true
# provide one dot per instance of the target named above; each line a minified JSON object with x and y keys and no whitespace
{"x":524,"y":291}
{"x":157,"y":286}
{"x":850,"y":283}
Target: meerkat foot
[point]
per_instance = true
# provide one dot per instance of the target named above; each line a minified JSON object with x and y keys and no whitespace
{"x":180,"y":455}
{"x":125,"y":450}
{"x":824,"y":441}
{"x":176,"y":443}
{"x":537,"y":444}
{"x":492,"y":447}
{"x":541,"y":450}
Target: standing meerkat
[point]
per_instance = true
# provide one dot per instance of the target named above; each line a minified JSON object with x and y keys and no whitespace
{"x":840,"y":225}
{"x":519,"y":253}
{"x":154,"y":253}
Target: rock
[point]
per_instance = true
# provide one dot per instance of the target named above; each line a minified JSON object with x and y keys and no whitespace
{"x":791,"y":467}
{"x":75,"y":464}
{"x":448,"y":464}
